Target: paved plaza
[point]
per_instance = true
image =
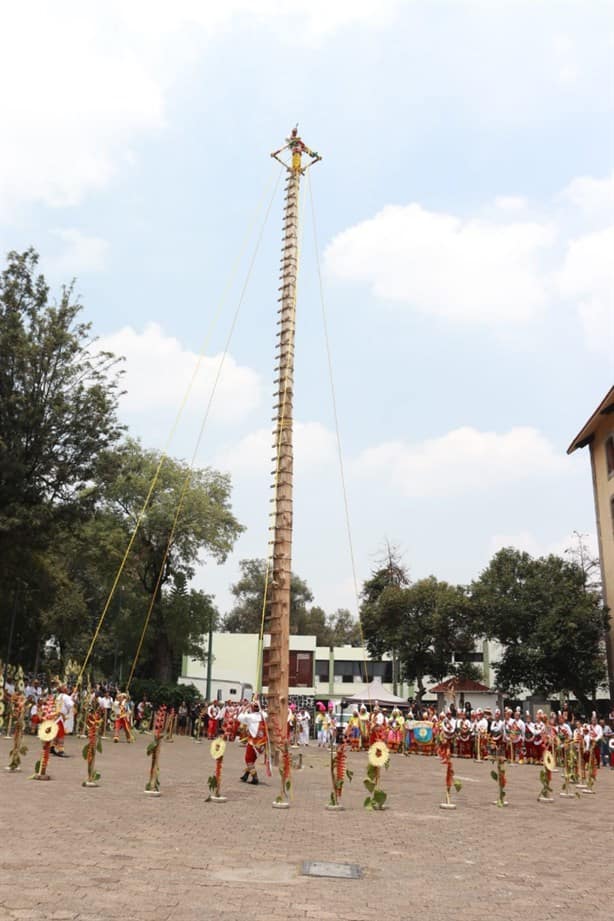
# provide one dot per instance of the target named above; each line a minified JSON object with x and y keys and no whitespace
{"x":76,"y":854}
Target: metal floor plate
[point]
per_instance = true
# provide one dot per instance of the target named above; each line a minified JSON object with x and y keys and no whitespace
{"x":336,"y":870}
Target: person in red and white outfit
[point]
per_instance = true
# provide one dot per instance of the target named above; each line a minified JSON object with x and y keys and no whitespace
{"x":122,"y":718}
{"x":64,"y":707}
{"x":254,"y":721}
{"x":213,"y":714}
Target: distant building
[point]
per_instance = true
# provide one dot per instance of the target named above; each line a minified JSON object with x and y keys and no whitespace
{"x":316,"y":672}
{"x":598,"y":434}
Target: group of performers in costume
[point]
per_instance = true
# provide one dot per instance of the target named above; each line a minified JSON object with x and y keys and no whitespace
{"x":479,"y":734}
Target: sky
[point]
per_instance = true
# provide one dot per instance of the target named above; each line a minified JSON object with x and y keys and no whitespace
{"x":464,"y":215}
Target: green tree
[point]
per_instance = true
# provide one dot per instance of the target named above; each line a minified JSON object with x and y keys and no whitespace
{"x":429,"y":623}
{"x":548,"y":621}
{"x":164,"y":555}
{"x":58,"y":401}
{"x":379,"y":624}
{"x":344,"y":629}
{"x":246,"y":614}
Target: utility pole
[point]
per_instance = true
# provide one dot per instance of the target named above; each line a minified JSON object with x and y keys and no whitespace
{"x":280,"y":542}
{"x":209,"y":656}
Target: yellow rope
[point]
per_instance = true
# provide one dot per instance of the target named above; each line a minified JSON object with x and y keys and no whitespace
{"x":338,"y":436}
{"x":282,"y":425}
{"x":188,"y":477}
{"x":173,"y":430}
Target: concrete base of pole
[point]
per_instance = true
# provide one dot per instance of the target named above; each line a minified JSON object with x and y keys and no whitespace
{"x":12,"y":770}
{"x":217,"y":799}
{"x":41,"y":777}
{"x":282,"y":805}
{"x":152,"y":793}
{"x":545,"y":799}
{"x":587,"y":790}
{"x":333,"y":808}
{"x":568,"y":795}
{"x":90,"y":783}
{"x":447,"y":805}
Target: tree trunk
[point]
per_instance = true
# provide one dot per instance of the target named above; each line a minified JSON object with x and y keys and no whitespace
{"x":163,"y":660}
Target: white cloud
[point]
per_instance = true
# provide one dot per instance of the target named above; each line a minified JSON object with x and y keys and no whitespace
{"x":314,"y":445}
{"x":81,"y":253}
{"x":511,"y":203}
{"x":587,"y":277}
{"x":83,"y":82}
{"x":566,"y":58}
{"x":465,"y":270}
{"x":79,"y":94}
{"x":158,"y":371}
{"x":590,"y":195}
{"x":462,"y":461}
{"x":497,"y":271}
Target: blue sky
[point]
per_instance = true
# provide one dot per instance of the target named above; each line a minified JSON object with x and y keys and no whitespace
{"x":464,"y":207}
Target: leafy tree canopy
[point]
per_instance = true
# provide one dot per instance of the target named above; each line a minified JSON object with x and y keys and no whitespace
{"x":246,"y":615}
{"x":188,"y":517}
{"x":428,"y":624}
{"x":550,"y":623}
{"x":58,"y":401}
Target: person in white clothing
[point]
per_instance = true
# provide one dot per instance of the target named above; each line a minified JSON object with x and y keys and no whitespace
{"x":304,"y":720}
{"x":64,"y":708}
{"x":254,"y":721}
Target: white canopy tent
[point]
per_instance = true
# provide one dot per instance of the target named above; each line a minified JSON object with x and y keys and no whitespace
{"x":375,"y":691}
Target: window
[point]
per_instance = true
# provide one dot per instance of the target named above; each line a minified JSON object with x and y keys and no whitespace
{"x":322,"y":669}
{"x":469,"y":656}
{"x":609,"y":454}
{"x":382,"y":670}
{"x":299,"y":669}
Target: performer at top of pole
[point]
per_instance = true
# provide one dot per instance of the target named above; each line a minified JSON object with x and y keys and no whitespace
{"x":297,"y":147}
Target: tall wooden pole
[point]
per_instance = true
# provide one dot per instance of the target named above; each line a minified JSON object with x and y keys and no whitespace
{"x":283,"y":459}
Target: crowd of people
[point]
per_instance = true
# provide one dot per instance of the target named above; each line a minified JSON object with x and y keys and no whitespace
{"x":522,"y":737}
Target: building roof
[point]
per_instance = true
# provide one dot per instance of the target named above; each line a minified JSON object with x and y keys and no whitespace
{"x":585,"y":435}
{"x":460,"y":684}
{"x":375,"y":691}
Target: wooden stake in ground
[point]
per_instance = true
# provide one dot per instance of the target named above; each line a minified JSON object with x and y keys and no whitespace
{"x":545,"y":776}
{"x":218,"y":747}
{"x":379,"y":757}
{"x":591,"y":768}
{"x":47,"y":731}
{"x":281,"y":514}
{"x":169,"y":730}
{"x":445,"y":755}
{"x":499,"y":776}
{"x":94,"y":744}
{"x":338,"y":773}
{"x":568,"y":770}
{"x":18,"y":703}
{"x":152,"y":787}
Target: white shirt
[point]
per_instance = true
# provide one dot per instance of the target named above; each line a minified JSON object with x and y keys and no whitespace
{"x":251,"y":721}
{"x":65,"y":705}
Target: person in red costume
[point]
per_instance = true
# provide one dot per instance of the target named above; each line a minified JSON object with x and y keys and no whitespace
{"x":254,"y":721}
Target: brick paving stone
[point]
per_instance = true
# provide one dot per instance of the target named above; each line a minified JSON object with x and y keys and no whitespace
{"x":76,"y":854}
